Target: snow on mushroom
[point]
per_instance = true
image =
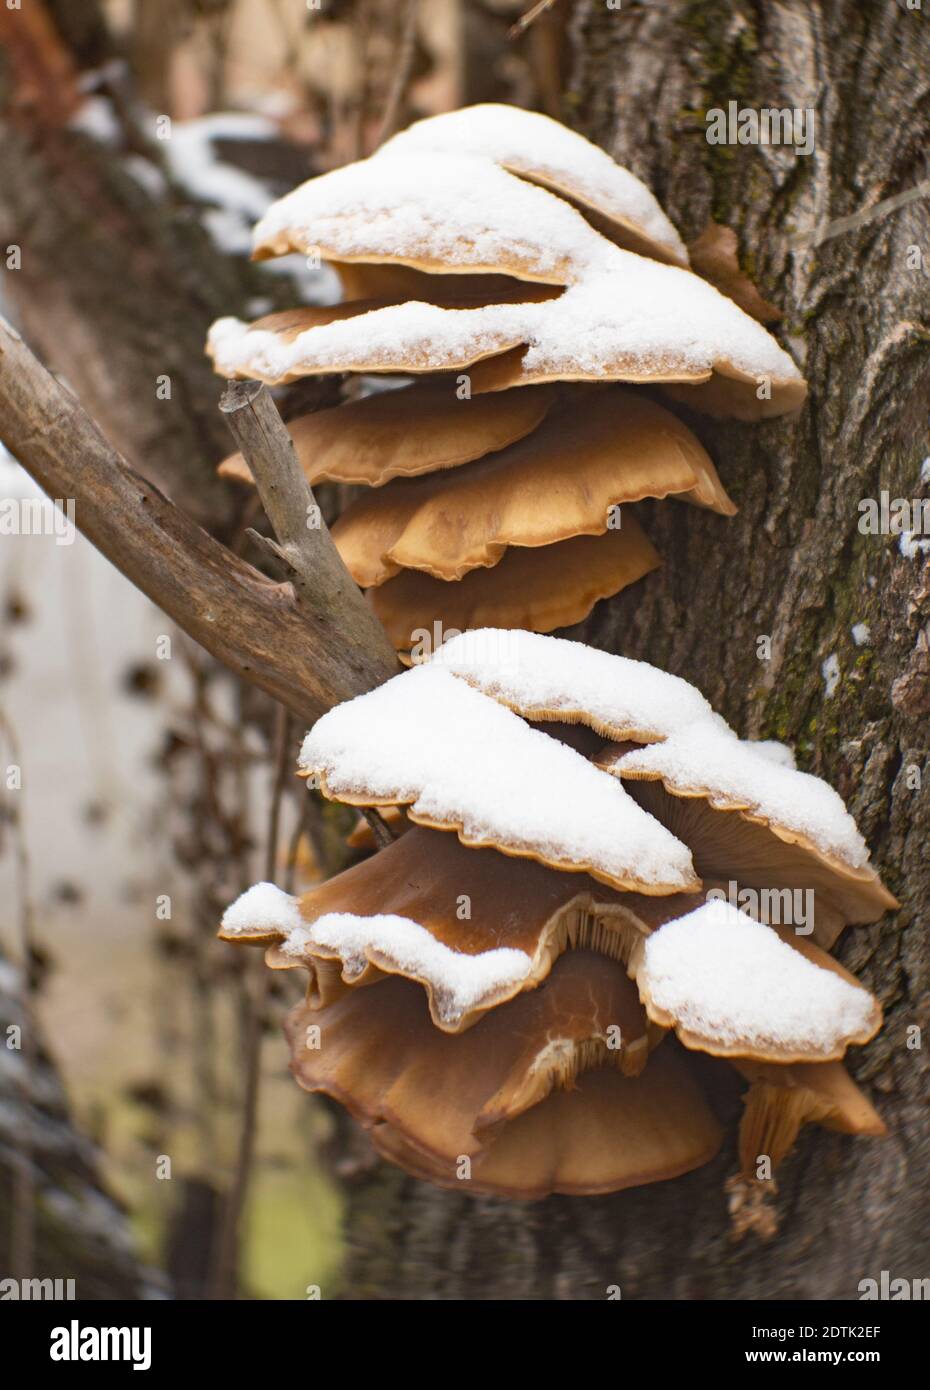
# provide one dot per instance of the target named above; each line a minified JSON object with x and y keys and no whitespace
{"x":740,"y":810}
{"x":496,"y":242}
{"x":731,"y":986}
{"x":400,"y":913}
{"x":458,"y":760}
{"x":511,"y":995}
{"x":542,"y":150}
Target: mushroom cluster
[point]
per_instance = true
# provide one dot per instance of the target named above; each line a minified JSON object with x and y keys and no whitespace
{"x":595,"y":885}
{"x":480,"y":252}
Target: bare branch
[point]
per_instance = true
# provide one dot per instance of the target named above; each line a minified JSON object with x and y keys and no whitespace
{"x":308,"y":652}
{"x":322,"y":582}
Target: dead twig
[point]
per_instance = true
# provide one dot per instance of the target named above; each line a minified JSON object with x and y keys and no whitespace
{"x":403,"y":66}
{"x":225,"y":1274}
{"x":531,"y":16}
{"x":382,"y":832}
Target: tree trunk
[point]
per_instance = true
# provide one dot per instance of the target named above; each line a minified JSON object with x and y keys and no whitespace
{"x":794,"y":566}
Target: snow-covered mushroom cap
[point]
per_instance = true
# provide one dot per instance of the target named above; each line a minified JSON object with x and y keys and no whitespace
{"x":410,"y":338}
{"x":440,"y":212}
{"x":542,"y":587}
{"x":406,"y":432}
{"x":552,"y":678}
{"x":778,"y":825}
{"x":461,"y":761}
{"x":401,"y":913}
{"x":629,"y":319}
{"x":562,"y":480}
{"x":546,"y":152}
{"x":731,"y":986}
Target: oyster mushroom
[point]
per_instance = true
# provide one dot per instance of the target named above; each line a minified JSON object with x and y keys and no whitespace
{"x":540,"y":149}
{"x":566,"y":478}
{"x":782,"y":1099}
{"x":371,"y":441}
{"x":457,"y":760}
{"x":752,"y":820}
{"x":540,"y":588}
{"x":733,"y":987}
{"x":471,"y":995}
{"x":496,"y":1094}
{"x":494,"y":242}
{"x":473,"y":927}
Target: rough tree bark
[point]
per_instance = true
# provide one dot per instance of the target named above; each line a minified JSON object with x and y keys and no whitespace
{"x":791,"y":565}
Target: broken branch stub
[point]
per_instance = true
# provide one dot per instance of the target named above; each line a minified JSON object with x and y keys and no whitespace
{"x":321,"y":580}
{"x":307,"y":655}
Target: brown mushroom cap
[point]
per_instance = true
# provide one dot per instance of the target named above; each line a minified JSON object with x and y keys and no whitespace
{"x":395,"y":283}
{"x":591,"y":453}
{"x":783,"y":1098}
{"x":731,"y":841}
{"x":541,"y":589}
{"x":733,"y":395}
{"x":472,"y":901}
{"x":378,"y":1053}
{"x":608,"y":1133}
{"x":489,"y":342}
{"x":626,"y":319}
{"x":726,"y":392}
{"x":402,"y":433}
